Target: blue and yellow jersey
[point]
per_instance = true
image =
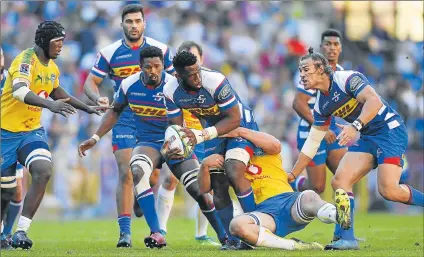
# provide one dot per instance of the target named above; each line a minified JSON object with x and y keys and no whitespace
{"x":41,"y":78}
{"x":267,"y":176}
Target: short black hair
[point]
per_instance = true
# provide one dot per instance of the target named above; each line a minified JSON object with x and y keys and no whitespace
{"x":331,"y":33}
{"x":319,"y":61}
{"x":150,"y":52}
{"x":183,"y":59}
{"x":187,"y":45}
{"x":132,"y":8}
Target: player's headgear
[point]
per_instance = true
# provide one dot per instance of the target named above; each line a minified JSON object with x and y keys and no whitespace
{"x":319,"y":60}
{"x":46,"y":32}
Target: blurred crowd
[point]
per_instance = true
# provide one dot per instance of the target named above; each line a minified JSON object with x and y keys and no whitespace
{"x":255,"y":44}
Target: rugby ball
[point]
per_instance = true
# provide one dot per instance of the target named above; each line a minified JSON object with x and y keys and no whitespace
{"x":177,"y":140}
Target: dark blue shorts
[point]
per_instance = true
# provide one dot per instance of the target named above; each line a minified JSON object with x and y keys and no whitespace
{"x":387,"y":147}
{"x":123,"y":137}
{"x":279,"y":207}
{"x":24,"y":147}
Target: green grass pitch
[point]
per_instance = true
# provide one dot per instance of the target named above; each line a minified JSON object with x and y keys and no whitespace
{"x":386,"y":235}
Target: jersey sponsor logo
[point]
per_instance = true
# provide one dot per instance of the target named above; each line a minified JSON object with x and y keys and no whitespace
{"x":211,"y":111}
{"x":225,"y":92}
{"x":254,"y":169}
{"x":24,"y":69}
{"x":124,"y":56}
{"x":355,"y":83}
{"x":137,"y":94}
{"x":43,"y":94}
{"x":346,"y":109}
{"x":148,"y":111}
{"x":126,"y":71}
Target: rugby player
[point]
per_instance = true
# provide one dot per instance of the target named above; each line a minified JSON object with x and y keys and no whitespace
{"x":383,"y":136}
{"x":279,"y":210}
{"x":167,"y":189}
{"x":142,"y":92}
{"x":32,"y":78}
{"x":119,"y":60}
{"x":329,"y":152}
{"x":208,"y":95}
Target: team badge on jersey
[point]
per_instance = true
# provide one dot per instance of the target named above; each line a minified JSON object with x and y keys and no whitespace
{"x":24,"y":69}
{"x":225,"y":92}
{"x":356,"y":82}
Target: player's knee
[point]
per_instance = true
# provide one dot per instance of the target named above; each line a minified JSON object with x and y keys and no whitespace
{"x":387,"y":192}
{"x":235,"y":172}
{"x":125,"y":177}
{"x":170,"y":182}
{"x":237,"y":227}
{"x":41,"y":171}
{"x":336,"y":182}
{"x":309,"y":201}
{"x":141,"y":168}
{"x":319,"y":188}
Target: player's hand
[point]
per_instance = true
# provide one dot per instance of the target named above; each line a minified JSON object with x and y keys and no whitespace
{"x":330,"y":137}
{"x":60,"y":106}
{"x":190,"y":134}
{"x":347,"y":134}
{"x":290,"y":177}
{"x":98,"y":109}
{"x":214,"y":161}
{"x":86,"y":145}
{"x":170,"y":154}
{"x":234,"y":133}
{"x":103,"y":104}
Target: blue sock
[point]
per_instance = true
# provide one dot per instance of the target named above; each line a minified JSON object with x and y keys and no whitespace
{"x":215,"y":222}
{"x":11,"y":215}
{"x":416,"y":197}
{"x":348,"y":234}
{"x":226,"y":216}
{"x":146,"y":200}
{"x":337,"y":231}
{"x":124,"y":221}
{"x":247,"y":200}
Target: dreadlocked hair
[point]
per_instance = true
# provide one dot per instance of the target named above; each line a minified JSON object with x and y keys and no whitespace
{"x":319,"y":61}
{"x":183,"y":59}
{"x":149,"y":52}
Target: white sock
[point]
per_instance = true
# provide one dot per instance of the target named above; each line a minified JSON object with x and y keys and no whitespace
{"x":23,"y":224}
{"x":165,"y":202}
{"x":327,"y":213}
{"x":268,"y":239}
{"x":201,"y":223}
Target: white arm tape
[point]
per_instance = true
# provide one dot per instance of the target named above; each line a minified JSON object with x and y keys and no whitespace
{"x":20,"y":93}
{"x":311,"y":145}
{"x":95,"y":137}
{"x":205,"y":134}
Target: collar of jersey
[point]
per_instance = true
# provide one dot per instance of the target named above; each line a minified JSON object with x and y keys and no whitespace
{"x":186,"y":89}
{"x":127,"y":46}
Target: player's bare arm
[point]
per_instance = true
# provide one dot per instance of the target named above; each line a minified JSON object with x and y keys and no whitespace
{"x":230,"y":121}
{"x":300,"y":105}
{"x":214,"y":161}
{"x":60,"y":93}
{"x":309,"y":149}
{"x":372,"y":104}
{"x":91,"y":89}
{"x":265,"y":141}
{"x":22,"y":93}
{"x":106,"y":124}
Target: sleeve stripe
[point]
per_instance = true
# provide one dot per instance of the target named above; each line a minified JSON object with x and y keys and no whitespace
{"x":99,"y":71}
{"x":170,"y":67}
{"x":173,"y":111}
{"x":21,"y":80}
{"x":229,"y":101}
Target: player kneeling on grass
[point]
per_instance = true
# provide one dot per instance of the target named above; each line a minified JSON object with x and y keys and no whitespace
{"x":279,"y":210}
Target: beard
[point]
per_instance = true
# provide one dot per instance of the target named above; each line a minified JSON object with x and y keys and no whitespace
{"x":132,"y":38}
